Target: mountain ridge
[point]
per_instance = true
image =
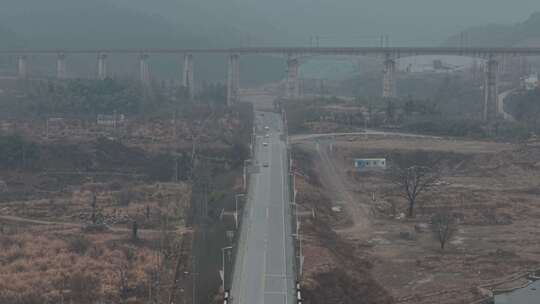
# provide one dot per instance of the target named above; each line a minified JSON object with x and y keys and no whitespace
{"x":526,"y":33}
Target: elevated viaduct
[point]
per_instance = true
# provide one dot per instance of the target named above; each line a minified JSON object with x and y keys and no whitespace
{"x":491,"y":55}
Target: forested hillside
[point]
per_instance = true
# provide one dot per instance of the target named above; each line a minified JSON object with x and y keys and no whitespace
{"x":526,"y":33}
{"x":257,"y":22}
{"x":231,"y":22}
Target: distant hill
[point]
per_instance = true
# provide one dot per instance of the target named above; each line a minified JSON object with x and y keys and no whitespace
{"x":133,"y":23}
{"x":122,"y":24}
{"x":250,"y":22}
{"x":526,"y":33}
{"x":241,"y":23}
{"x":97,"y":23}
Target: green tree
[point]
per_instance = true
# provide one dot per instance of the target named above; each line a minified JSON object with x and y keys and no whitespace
{"x":390,"y":110}
{"x":17,"y":153}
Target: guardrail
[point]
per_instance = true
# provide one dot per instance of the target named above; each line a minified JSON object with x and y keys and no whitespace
{"x":241,"y":231}
{"x":351,"y":51}
{"x":295,"y":224}
{"x":298,"y":293}
{"x":226,"y":296}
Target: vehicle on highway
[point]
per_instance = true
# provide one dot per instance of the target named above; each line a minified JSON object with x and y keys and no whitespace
{"x":265,"y":144}
{"x":267,"y":136}
{"x":267,"y":128}
{"x":265,"y":164}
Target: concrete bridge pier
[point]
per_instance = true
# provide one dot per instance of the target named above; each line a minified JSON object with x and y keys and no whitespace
{"x":491,"y":90}
{"x":22,"y":67}
{"x":503,"y":66}
{"x":233,"y":79}
{"x":187,"y":78}
{"x":102,"y":66}
{"x":389,"y":77}
{"x":61,"y":69}
{"x":144,"y":70}
{"x":293,"y":78}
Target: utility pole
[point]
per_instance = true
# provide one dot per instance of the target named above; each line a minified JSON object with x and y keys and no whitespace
{"x":175,"y":140}
{"x":245,"y":172}
{"x":175,"y":168}
{"x":236,"y":208}
{"x":194,"y":281}
{"x":365,"y":127}
{"x":298,"y":223}
{"x":223,"y":261}
{"x":47,"y":128}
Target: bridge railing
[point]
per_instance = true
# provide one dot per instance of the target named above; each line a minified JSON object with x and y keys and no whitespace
{"x":411,"y":50}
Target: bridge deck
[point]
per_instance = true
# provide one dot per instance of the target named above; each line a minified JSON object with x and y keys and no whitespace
{"x":398,"y":51}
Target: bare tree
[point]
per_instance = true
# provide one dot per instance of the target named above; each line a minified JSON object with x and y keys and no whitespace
{"x":123,"y":281}
{"x":444,"y":226}
{"x":158,"y":272}
{"x":125,"y":197}
{"x":177,"y":270}
{"x":125,"y":273}
{"x":134,"y":231}
{"x":83,"y":287}
{"x":93,"y":204}
{"x":413,"y":181}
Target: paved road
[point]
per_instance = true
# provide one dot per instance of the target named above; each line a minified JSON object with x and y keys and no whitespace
{"x":527,"y":295}
{"x":264,"y":267}
{"x":307,"y":137}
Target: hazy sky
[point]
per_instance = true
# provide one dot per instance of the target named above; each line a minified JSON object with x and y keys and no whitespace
{"x":404,"y":20}
{"x":346,"y":22}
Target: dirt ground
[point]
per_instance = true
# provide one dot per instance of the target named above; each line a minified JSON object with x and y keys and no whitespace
{"x":56,"y":263}
{"x":79,"y":244}
{"x":117,"y":208}
{"x":492,"y":188}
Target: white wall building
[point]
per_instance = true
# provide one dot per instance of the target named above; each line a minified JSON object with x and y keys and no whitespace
{"x":530,"y":82}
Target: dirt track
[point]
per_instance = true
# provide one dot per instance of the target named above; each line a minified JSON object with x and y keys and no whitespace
{"x":79,"y":225}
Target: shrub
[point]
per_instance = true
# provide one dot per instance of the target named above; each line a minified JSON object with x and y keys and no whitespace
{"x":79,"y":244}
{"x":124,"y":197}
{"x":447,"y":127}
{"x":16,"y":152}
{"x":84,"y":287}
